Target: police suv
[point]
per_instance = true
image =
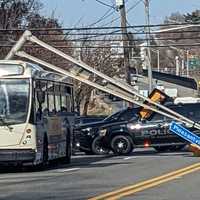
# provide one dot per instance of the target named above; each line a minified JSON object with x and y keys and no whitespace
{"x":123,"y":137}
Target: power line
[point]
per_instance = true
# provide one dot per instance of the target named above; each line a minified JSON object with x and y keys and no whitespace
{"x":100,"y":28}
{"x":113,"y":47}
{"x":105,"y":4}
{"x":115,"y":40}
{"x":98,"y":34}
{"x":131,"y":8}
{"x":105,"y":16}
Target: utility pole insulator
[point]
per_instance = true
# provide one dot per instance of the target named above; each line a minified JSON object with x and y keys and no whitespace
{"x":119,"y":3}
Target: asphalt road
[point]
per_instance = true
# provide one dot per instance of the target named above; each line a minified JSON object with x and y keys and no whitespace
{"x":91,"y":176}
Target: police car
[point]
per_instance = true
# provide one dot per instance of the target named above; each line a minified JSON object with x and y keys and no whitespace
{"x":140,"y":127}
{"x":123,"y":137}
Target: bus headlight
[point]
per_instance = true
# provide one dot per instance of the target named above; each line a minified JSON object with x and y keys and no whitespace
{"x":24,"y":142}
{"x":131,"y":126}
{"x":28,"y":130}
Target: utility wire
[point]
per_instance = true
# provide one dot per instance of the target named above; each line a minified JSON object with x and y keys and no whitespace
{"x":131,"y":8}
{"x":96,"y":34}
{"x":102,"y":27}
{"x":114,"y":40}
{"x":111,"y":41}
{"x":105,"y":16}
{"x":113,"y":47}
{"x":105,"y":4}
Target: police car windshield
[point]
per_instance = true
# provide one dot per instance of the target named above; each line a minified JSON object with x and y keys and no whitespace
{"x":113,"y":117}
{"x":123,"y":115}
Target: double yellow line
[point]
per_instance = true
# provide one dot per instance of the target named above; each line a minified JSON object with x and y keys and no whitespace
{"x":132,"y":189}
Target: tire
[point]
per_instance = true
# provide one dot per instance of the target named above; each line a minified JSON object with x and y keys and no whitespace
{"x":162,"y":148}
{"x":97,"y":147}
{"x":122,"y":145}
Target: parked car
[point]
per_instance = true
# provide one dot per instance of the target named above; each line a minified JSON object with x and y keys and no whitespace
{"x":89,"y":135}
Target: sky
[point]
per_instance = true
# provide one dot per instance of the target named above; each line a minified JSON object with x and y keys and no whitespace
{"x":76,"y":13}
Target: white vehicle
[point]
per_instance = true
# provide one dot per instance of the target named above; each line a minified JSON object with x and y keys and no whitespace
{"x":184,"y":100}
{"x":36,"y":114}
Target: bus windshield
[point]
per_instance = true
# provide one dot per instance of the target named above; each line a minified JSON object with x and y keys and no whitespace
{"x":14,"y":101}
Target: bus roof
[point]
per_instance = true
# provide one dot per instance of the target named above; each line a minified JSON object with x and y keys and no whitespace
{"x":21,"y":69}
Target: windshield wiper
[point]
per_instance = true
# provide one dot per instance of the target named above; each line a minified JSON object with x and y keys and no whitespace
{"x":2,"y":120}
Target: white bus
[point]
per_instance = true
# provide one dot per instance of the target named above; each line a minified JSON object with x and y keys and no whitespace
{"x":36,"y":114}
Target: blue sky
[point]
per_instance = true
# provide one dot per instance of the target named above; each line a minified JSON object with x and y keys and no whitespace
{"x":85,"y":12}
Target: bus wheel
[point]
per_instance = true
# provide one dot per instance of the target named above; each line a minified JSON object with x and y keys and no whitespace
{"x":121,"y":144}
{"x":45,"y":158}
{"x":97,"y":147}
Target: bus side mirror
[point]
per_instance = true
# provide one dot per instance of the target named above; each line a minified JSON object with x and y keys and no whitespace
{"x":41,"y":97}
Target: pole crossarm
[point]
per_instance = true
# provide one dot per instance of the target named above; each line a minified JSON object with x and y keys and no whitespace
{"x":115,"y":87}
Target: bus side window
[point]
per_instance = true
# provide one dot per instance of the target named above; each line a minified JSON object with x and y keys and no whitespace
{"x":45,"y":109}
{"x":63,"y":104}
{"x":69,"y":103}
{"x":51,"y":103}
{"x":58,"y":103}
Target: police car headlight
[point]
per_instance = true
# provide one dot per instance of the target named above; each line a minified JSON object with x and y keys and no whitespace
{"x":102,"y":132}
{"x":77,"y":144}
{"x":131,"y":126}
{"x":87,"y":129}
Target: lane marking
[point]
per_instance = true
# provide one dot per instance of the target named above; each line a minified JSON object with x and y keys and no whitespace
{"x":66,"y":170}
{"x":128,"y":158}
{"x":130,"y":190}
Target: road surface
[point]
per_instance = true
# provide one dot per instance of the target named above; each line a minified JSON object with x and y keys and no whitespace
{"x":90,"y":177}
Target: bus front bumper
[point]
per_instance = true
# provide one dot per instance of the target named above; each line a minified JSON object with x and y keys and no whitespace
{"x":17,"y":155}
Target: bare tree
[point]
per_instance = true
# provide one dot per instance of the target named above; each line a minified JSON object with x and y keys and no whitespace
{"x":14,"y":13}
{"x":185,"y":36}
{"x":101,"y":59}
{"x":24,"y":14}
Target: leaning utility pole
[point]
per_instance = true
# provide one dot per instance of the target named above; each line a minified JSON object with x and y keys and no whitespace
{"x":125,"y":39}
{"x":148,"y":58}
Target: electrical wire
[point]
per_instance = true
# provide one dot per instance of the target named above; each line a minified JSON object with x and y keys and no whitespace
{"x":113,"y":47}
{"x":131,"y":8}
{"x":105,"y":4}
{"x":100,"y":34}
{"x":117,"y":40}
{"x":105,"y":16}
{"x":103,"y":27}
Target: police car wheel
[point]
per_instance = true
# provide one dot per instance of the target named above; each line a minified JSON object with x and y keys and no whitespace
{"x":121,"y":145}
{"x":97,"y":147}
